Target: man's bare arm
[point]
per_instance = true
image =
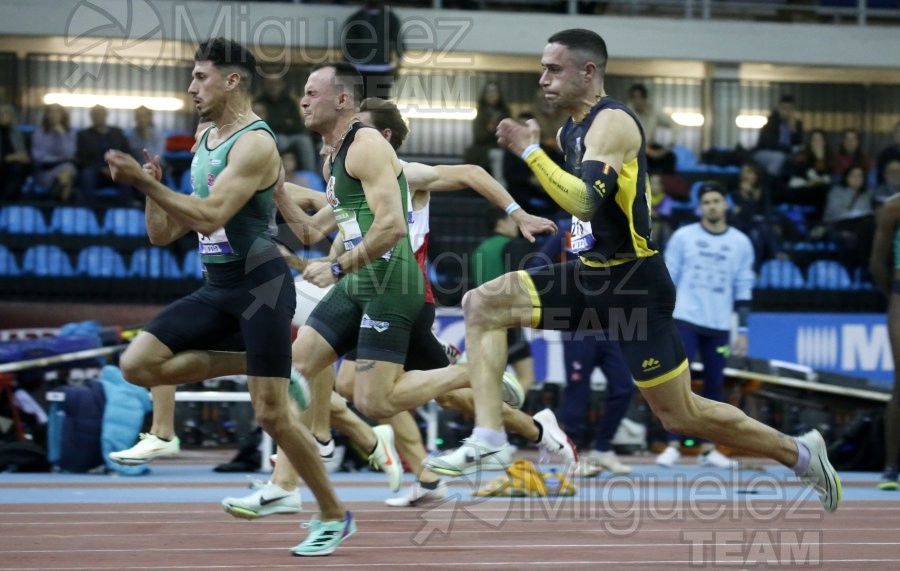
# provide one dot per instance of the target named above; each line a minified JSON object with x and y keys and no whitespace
{"x":373,"y":162}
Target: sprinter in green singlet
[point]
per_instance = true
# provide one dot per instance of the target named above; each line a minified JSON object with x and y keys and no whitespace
{"x":380,"y":288}
{"x":885,"y":268}
{"x":248,"y":290}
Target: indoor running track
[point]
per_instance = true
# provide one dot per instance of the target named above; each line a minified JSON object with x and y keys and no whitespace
{"x":683,"y":518}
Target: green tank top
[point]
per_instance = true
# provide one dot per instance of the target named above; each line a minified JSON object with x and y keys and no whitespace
{"x":254,"y":221}
{"x":897,"y":247}
{"x":351,"y":210}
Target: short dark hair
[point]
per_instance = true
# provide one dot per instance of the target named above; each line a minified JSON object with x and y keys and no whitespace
{"x":228,"y":55}
{"x":493,"y":215}
{"x":347,"y":78}
{"x":711,"y":186}
{"x":639,"y":88}
{"x":585,"y":41}
{"x":386,"y":115}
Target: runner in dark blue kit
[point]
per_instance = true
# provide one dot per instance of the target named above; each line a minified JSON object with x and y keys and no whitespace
{"x":619,"y":284}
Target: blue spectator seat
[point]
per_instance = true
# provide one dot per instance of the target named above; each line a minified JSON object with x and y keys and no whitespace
{"x":827,"y":274}
{"x":315,"y":179}
{"x":192,"y":268}
{"x":22,"y":220}
{"x":46,"y":261}
{"x":684,"y":158}
{"x":101,"y":262}
{"x":74,"y":220}
{"x":862,"y":281}
{"x":8,"y":264}
{"x":779,"y":274}
{"x":155,"y":263}
{"x":31,"y":188}
{"x":124,"y":222}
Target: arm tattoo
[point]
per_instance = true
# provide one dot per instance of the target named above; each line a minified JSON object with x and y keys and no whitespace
{"x":363,"y":366}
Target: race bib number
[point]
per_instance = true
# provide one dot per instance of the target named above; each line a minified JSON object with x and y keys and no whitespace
{"x":582,"y":236}
{"x":216,"y":244}
{"x":351,"y":235}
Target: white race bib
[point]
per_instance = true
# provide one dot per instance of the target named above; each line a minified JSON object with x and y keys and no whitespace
{"x":582,"y":236}
{"x":216,"y":244}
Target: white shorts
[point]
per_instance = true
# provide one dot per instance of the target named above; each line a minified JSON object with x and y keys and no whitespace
{"x":308,"y":296}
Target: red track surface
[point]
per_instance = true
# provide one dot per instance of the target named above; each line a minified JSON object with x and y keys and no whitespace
{"x":495,"y":534}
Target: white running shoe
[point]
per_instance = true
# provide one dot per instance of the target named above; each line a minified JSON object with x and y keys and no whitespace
{"x":418,"y":496}
{"x":267,"y":499}
{"x":669,"y":457}
{"x":148,"y":447}
{"x":715,"y":459}
{"x":821,"y":475}
{"x":472,"y":456}
{"x":554,"y":439}
{"x":586,"y":468}
{"x":385,"y":456}
{"x":511,"y":390}
{"x":608,"y":461}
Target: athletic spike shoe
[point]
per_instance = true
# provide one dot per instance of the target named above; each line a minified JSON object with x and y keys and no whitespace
{"x":715,"y":459}
{"x":821,"y":475}
{"x":554,"y":439}
{"x":325,"y":536}
{"x":511,"y":391}
{"x":266,"y":499}
{"x":148,"y":447}
{"x":889,"y":481}
{"x":472,"y":456}
{"x":419,"y":496}
{"x":298,"y":389}
{"x":385,"y":456}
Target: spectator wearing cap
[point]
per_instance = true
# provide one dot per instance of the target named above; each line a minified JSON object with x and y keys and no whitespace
{"x":711,"y":264}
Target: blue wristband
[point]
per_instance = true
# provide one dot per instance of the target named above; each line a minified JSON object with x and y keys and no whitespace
{"x":512,"y":207}
{"x":530,"y":149}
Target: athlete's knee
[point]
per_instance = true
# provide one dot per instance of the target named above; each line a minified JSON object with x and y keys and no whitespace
{"x":138,"y":369}
{"x":338,"y":404}
{"x":344,"y":386}
{"x":477,"y":308}
{"x":272,"y":416}
{"x":448,"y":402}
{"x":375,"y":407}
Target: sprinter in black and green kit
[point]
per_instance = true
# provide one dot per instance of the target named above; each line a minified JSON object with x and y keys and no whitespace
{"x":249,"y":290}
{"x":380,"y":288}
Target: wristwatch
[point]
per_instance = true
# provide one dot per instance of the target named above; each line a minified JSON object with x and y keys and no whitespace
{"x":336,"y":270}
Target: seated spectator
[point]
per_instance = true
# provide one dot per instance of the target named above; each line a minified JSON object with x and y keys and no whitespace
{"x":660,"y":211}
{"x":849,"y":154}
{"x":14,"y":159}
{"x":889,"y":153}
{"x":849,"y":219}
{"x":658,"y":130}
{"x":811,"y":166}
{"x":144,"y":135}
{"x":750,"y":214}
{"x":891,"y":184}
{"x":779,"y":137}
{"x":91,"y":144}
{"x":491,"y":110}
{"x":53,"y":152}
{"x":282,"y":113}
